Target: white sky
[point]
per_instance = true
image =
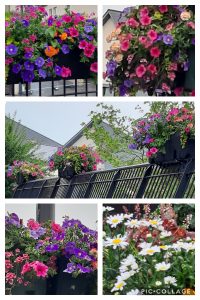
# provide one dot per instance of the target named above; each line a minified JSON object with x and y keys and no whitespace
{"x":61,"y":120}
{"x":86,"y":213}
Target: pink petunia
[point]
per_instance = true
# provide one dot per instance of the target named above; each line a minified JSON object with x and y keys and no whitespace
{"x":66,"y":18}
{"x":66,"y":72}
{"x":155,"y":52}
{"x":145,"y":20}
{"x":163,"y":8}
{"x":40,"y":269}
{"x":142,"y":39}
{"x":32,"y":224}
{"x":152,"y":68}
{"x":140,"y":70}
{"x":82,"y":44}
{"x":94,"y":67}
{"x":125,"y":45}
{"x":152,"y":34}
{"x":144,"y":11}
{"x":153,"y":150}
{"x":132,"y":23}
{"x":73,"y":32}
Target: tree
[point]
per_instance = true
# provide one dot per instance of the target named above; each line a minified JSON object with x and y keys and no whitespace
{"x":17,"y":147}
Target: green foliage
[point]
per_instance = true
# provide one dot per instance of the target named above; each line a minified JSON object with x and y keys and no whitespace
{"x":184,"y":210}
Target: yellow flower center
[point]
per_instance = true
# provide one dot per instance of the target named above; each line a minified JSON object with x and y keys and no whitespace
{"x":120,"y":285}
{"x":115,"y":221}
{"x":150,"y":251}
{"x":163,"y":268}
{"x":153,"y":222}
{"x":133,"y":222}
{"x":117,"y":241}
{"x":163,"y":247}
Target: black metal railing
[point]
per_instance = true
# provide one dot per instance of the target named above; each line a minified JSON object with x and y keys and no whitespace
{"x":175,"y":180}
{"x":62,"y":87}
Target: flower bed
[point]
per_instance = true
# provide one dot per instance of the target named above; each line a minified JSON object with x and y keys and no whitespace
{"x":32,"y":251}
{"x":147,"y":254}
{"x":152,"y":50}
{"x":22,"y":171}
{"x":74,"y":160}
{"x":42,"y":47}
{"x":168,"y":135}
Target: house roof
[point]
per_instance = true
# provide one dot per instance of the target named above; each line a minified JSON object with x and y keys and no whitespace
{"x":35,"y":136}
{"x":115,"y":15}
{"x":78,"y":135}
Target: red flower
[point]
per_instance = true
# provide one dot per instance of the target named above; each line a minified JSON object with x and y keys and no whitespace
{"x":125,"y":45}
{"x":73,"y":32}
{"x":132,"y":23}
{"x":144,"y":11}
{"x":40,"y":269}
{"x":140,"y":71}
{"x":163,"y":8}
{"x":32,"y":224}
{"x":66,"y":19}
{"x":152,"y":68}
{"x":56,"y":227}
{"x":155,"y":52}
{"x":94,"y":67}
{"x":88,"y":52}
{"x":82,"y":44}
{"x":66,"y":72}
{"x":152,"y":34}
{"x":145,"y":20}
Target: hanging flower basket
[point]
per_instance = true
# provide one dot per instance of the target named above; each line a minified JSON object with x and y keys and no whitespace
{"x":21,"y":179}
{"x":174,"y":151}
{"x":66,"y":172}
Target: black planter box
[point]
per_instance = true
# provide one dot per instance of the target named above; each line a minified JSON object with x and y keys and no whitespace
{"x":72,"y":60}
{"x":174,"y":151}
{"x":21,"y":179}
{"x":66,"y":172}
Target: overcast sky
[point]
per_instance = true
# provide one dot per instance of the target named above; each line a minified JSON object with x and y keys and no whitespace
{"x":60,"y":121}
{"x":86,"y":213}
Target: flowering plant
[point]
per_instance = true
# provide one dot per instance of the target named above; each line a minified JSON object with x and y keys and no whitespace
{"x":32,"y":250}
{"x":147,"y":252}
{"x":34,"y":40}
{"x":152,"y":132}
{"x":150,"y":50}
{"x":27,"y":169}
{"x":82,"y":159}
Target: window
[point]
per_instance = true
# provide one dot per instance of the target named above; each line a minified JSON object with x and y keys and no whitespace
{"x":50,"y":12}
{"x":55,"y":11}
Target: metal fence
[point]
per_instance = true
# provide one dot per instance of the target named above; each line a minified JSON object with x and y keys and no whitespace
{"x":174,"y":180}
{"x":62,"y":87}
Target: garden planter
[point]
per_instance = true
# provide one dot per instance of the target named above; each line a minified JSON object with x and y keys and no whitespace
{"x":71,"y":60}
{"x":21,"y":179}
{"x":66,"y":172}
{"x":65,"y":284}
{"x":174,"y":151}
{"x":37,"y":287}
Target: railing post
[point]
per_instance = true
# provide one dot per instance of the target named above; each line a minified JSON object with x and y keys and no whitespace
{"x":70,"y":188}
{"x":144,"y":182}
{"x":113,"y":185}
{"x":89,"y":187}
{"x":189,"y":168}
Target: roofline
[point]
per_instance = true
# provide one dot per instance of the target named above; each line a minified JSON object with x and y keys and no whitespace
{"x":108,"y":13}
{"x":34,"y":131}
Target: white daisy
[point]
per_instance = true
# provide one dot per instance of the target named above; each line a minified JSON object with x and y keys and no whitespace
{"x":155,"y":222}
{"x":170,"y":280}
{"x":158,"y":283}
{"x":163,"y":266}
{"x":128,"y":216}
{"x":165,"y":234}
{"x":144,"y":245}
{"x":133,"y":292}
{"x":188,"y":246}
{"x":167,"y":255}
{"x":150,"y":250}
{"x":119,"y":285}
{"x":126,"y":275}
{"x":164,"y":247}
{"x":115,"y":220}
{"x":107,"y":208}
{"x":128,"y":263}
{"x":118,"y":241}
{"x":132,"y":223}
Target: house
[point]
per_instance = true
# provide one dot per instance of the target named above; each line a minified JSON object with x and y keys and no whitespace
{"x":46,"y":147}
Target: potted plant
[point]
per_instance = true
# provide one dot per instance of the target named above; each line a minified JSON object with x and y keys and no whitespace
{"x":74,"y":160}
{"x":39,"y":47}
{"x":36,"y":252}
{"x":167,"y":136}
{"x":22,"y":171}
{"x":151,"y":51}
{"x":147,"y":251}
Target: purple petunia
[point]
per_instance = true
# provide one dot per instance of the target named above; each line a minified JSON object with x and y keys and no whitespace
{"x":88,"y":28}
{"x":65,"y":49}
{"x":186,"y":66}
{"x":25,"y":23}
{"x":71,"y":267}
{"x":50,"y":21}
{"x":11,"y":49}
{"x":58,"y":70}
{"x":168,"y":39}
{"x":122,"y":90}
{"x":39,"y":62}
{"x":37,"y":233}
{"x":16,"y":68}
{"x":42,"y":73}
{"x":27,"y":75}
{"x":69,"y":248}
{"x":111,"y":66}
{"x":52,"y":248}
{"x":28,"y":55}
{"x":132,"y":146}
{"x":12,"y":219}
{"x":84,"y":269}
{"x":79,"y":253}
{"x":128,"y":83}
{"x":29,"y":66}
{"x":70,"y":223}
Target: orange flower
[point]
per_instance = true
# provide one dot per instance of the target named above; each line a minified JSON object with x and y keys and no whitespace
{"x":94,"y":264}
{"x":83,"y":146}
{"x":190,"y":125}
{"x":63,"y":36}
{"x":51,"y":51}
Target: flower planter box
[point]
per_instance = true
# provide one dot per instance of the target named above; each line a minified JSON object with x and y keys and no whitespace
{"x":66,"y":172}
{"x":37,"y":287}
{"x":71,"y":60}
{"x":20,"y":179}
{"x":174,"y":151}
{"x":65,"y":284}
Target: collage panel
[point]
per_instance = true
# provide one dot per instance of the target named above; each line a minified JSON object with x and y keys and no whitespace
{"x":51,"y":249}
{"x":51,"y":50}
{"x":148,"y":249}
